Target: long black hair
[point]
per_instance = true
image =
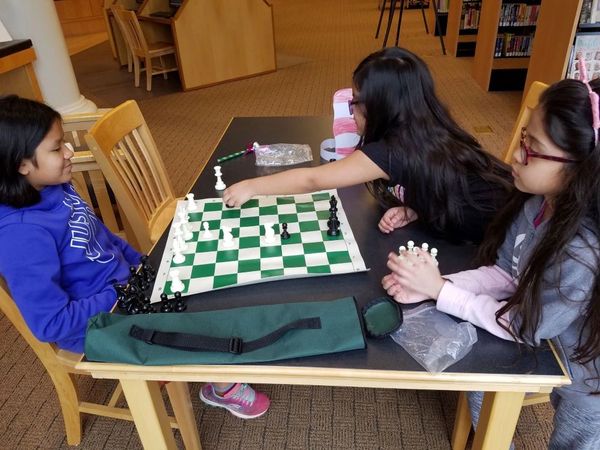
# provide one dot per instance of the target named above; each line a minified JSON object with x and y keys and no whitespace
{"x":435,"y":156}
{"x":567,"y":120}
{"x":23,"y":125}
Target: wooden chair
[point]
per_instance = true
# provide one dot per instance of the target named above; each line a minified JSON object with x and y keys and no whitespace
{"x":60,"y":365}
{"x":88,"y":178}
{"x":126,"y":152}
{"x":140,"y":49}
{"x":529,"y":103}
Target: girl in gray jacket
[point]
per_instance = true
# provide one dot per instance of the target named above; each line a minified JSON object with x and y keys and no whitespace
{"x":540,"y":277}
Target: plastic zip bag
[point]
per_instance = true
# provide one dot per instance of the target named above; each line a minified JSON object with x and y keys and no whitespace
{"x":282,"y":154}
{"x":434,"y":339}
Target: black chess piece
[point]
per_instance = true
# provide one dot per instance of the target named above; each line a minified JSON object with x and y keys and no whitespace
{"x":284,"y":233}
{"x":166,"y":307}
{"x":179,"y":303}
{"x":333,"y":225}
{"x":333,"y":202}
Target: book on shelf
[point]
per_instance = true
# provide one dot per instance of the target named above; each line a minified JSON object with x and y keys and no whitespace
{"x":587,"y":45}
{"x":518,"y":14}
{"x":510,"y":45}
{"x":413,"y":4}
{"x":470,"y":15}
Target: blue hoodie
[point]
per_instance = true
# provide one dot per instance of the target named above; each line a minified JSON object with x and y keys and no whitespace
{"x":60,"y":262}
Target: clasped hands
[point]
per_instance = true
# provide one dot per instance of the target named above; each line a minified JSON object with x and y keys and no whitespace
{"x":415,"y":277}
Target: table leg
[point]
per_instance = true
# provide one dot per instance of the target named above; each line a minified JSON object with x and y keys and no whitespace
{"x":179,"y":394}
{"x":462,"y":423}
{"x":498,"y":420}
{"x":149,"y":414}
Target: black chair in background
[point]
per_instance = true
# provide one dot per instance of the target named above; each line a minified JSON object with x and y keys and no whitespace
{"x":393,"y":4}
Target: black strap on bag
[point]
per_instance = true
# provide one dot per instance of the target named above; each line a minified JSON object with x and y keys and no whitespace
{"x":236,"y":345}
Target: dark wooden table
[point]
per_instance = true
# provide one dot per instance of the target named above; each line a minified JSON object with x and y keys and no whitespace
{"x":500,"y":368}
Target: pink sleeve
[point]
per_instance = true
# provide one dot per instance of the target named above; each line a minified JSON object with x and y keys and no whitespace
{"x":490,"y":280}
{"x":480,"y":309}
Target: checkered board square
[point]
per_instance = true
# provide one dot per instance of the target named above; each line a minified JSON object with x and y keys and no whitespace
{"x":308,"y":252}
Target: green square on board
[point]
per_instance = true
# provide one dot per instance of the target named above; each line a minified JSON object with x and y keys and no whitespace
{"x":305,"y":207}
{"x":250,"y":265}
{"x":195,"y":217}
{"x":295,"y":238}
{"x":203,"y":270}
{"x":267,"y":210}
{"x":230,"y":213}
{"x":312,"y":225}
{"x":249,"y":221}
{"x":207,"y":246}
{"x":250,"y":242}
{"x":253,"y":203}
{"x":338,"y":257}
{"x":323,"y":214}
{"x":270,"y":251}
{"x":285,"y":200}
{"x":294,"y":261}
{"x":213,"y":206}
{"x":227,"y":255}
{"x":319,"y":269}
{"x":288,"y":218}
{"x":224,"y":280}
{"x":314,"y":247}
{"x":326,"y":237}
{"x":320,"y":196}
{"x":271,"y":273}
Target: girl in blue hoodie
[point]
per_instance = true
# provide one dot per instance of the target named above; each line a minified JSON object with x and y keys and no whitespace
{"x":59,"y":260}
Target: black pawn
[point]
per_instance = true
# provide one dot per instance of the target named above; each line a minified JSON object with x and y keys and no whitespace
{"x":179,"y":303}
{"x":284,"y":233}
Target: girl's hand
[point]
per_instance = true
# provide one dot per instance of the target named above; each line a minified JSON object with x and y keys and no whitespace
{"x":416,"y":272}
{"x":238,"y":193}
{"x":400,"y":294}
{"x":396,"y":218}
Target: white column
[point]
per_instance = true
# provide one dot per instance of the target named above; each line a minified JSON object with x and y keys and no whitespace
{"x":37,"y":20}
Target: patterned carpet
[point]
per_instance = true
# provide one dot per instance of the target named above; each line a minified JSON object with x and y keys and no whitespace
{"x":318,"y":45}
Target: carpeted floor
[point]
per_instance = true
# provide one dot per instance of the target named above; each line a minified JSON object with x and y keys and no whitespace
{"x":318,"y":45}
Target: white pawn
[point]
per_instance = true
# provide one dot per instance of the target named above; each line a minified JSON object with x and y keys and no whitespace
{"x":207,"y":234}
{"x":433,"y":254}
{"x":220,"y":185}
{"x":401,"y":249}
{"x":178,"y":257}
{"x":180,"y":241}
{"x":191,"y":204}
{"x":176,"y":284}
{"x":227,"y":237}
{"x":269,"y":233}
{"x":183,"y":216}
{"x":425,"y":246}
{"x":187,"y":234}
{"x":411,"y":246}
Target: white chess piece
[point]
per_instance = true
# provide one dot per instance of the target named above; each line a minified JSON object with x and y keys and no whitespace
{"x":425,"y":246}
{"x":207,"y":234}
{"x":269,"y":233}
{"x":227,"y":237}
{"x":176,"y":284}
{"x":255,"y":146}
{"x":433,"y":254}
{"x":220,"y":185}
{"x":401,"y":249}
{"x":180,"y":240}
{"x":191,"y":204}
{"x":187,"y":234}
{"x":178,"y":257}
{"x":183,"y":216}
{"x":411,"y":246}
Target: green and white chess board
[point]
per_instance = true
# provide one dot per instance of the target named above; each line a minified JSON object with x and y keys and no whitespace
{"x":308,"y":252}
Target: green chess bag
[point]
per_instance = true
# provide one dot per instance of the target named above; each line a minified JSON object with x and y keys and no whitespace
{"x":250,"y":334}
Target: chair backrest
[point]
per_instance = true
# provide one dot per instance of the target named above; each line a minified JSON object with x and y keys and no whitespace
{"x":126,"y":152}
{"x":529,"y":103}
{"x":131,"y":29}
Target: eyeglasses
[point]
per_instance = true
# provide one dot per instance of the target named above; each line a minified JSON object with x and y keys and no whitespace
{"x":527,"y":152}
{"x":351,"y":104}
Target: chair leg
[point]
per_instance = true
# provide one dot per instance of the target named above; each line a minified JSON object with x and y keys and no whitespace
{"x":129,"y":61}
{"x":462,"y":423}
{"x":163,"y":66}
{"x":148,"y":74}
{"x":179,"y":395}
{"x":136,"y":70}
{"x":380,"y":18}
{"x":66,"y":389}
